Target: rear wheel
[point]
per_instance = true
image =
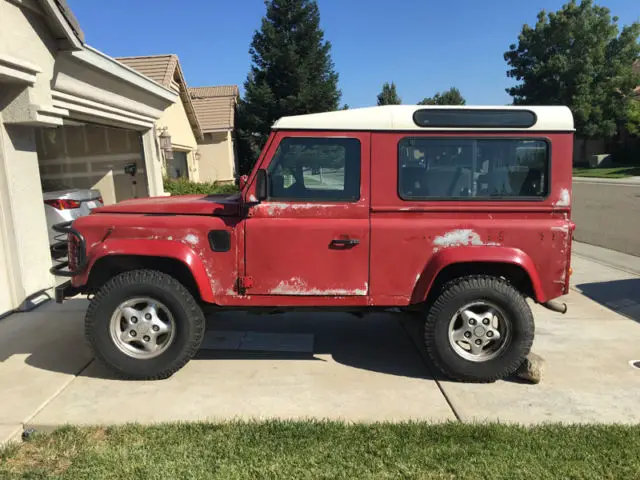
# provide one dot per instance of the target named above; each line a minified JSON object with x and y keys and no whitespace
{"x":479,"y":329}
{"x":144,"y":325}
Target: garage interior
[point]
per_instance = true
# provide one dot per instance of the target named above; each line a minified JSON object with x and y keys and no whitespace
{"x":91,"y":156}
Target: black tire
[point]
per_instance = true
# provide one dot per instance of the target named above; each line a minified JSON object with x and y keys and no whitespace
{"x":189,"y":323}
{"x":455,"y":295}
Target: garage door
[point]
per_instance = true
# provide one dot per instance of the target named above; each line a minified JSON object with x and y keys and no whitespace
{"x":91,"y":156}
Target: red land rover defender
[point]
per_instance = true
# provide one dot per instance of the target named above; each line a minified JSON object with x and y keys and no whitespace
{"x":461,"y":213}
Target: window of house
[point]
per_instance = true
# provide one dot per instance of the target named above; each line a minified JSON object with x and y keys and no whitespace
{"x":178,"y":167}
{"x":467,"y":168}
{"x":316,"y":169}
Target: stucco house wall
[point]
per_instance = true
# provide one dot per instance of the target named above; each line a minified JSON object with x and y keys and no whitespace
{"x":215,"y":107}
{"x":179,"y":121}
{"x":217,"y":157}
{"x":175,"y":120}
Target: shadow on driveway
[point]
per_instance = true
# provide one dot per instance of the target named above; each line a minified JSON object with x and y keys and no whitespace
{"x":377,"y":342}
{"x":621,"y":296}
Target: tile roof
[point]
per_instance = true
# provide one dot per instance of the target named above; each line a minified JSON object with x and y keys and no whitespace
{"x":216,"y":91}
{"x":215,"y":106}
{"x":159,"y":68}
{"x":162,"y":69}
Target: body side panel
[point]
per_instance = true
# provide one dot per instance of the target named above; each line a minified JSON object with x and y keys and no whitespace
{"x":411,"y":240}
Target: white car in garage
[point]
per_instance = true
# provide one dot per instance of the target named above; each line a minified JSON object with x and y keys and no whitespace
{"x":64,"y":206}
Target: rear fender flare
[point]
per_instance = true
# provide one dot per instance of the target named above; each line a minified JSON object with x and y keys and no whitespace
{"x":475,"y":254}
{"x":156,"y":248}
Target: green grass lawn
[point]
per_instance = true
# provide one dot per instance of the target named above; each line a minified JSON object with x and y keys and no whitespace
{"x":311,"y":450}
{"x":613,"y":172}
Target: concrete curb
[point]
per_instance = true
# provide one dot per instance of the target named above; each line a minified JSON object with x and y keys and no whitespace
{"x":629,"y":182}
{"x":10,"y":434}
{"x":610,"y":258}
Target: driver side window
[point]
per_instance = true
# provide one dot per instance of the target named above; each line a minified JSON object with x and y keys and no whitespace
{"x":316,"y":169}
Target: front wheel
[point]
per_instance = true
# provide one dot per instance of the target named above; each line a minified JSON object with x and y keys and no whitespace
{"x":144,"y":325}
{"x":479,"y":329}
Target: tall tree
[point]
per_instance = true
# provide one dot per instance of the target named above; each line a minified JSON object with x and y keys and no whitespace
{"x":633,"y":116}
{"x":389,"y":95}
{"x":577,"y":57}
{"x":291,"y":74}
{"x":449,"y":97}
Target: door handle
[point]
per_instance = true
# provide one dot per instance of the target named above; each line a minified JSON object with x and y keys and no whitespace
{"x":344,"y":242}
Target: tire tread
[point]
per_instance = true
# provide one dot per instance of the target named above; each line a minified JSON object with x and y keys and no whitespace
{"x":449,"y":292}
{"x":137,"y":277}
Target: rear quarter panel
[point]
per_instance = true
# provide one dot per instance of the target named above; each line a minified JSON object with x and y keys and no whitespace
{"x":411,"y":241}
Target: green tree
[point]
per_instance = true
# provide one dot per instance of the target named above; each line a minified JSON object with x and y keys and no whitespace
{"x":291,"y":74}
{"x":577,"y":57}
{"x":449,"y":97}
{"x":389,"y":95}
{"x":633,"y":116}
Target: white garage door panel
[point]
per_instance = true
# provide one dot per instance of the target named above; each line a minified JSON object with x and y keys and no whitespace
{"x":91,"y":156}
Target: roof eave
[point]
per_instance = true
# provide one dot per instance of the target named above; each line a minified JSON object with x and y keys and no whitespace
{"x":64,"y":24}
{"x":219,"y":130}
{"x":104,"y":62}
{"x":188,"y":105}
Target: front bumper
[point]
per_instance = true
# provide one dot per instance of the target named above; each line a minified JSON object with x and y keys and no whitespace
{"x":80,"y":251}
{"x":65,"y":290}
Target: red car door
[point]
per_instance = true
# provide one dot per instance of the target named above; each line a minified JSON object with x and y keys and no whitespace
{"x":311,"y":235}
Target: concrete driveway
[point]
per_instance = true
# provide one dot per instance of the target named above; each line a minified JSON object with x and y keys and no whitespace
{"x":331,"y":366}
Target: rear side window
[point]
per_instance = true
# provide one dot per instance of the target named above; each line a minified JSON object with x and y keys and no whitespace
{"x":316,"y":169}
{"x":467,"y":168}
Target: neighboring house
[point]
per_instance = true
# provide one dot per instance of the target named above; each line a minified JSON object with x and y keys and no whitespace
{"x":179,"y":121}
{"x":70,"y":117}
{"x":216,"y":109}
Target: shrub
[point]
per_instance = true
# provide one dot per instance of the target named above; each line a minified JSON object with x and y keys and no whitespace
{"x":183,"y":186}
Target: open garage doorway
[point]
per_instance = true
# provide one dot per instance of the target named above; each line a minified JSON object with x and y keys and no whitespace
{"x":83,"y":166}
{"x":89,"y":156}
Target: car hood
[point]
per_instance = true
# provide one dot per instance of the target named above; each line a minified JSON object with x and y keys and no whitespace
{"x":220,"y":205}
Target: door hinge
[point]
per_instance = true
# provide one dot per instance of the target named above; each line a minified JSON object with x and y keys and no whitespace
{"x":245,"y":283}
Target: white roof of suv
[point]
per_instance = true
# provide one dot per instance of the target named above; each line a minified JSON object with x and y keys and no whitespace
{"x":425,"y":118}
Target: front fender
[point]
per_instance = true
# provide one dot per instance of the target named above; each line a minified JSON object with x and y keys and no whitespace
{"x":476,"y":254}
{"x":151,"y":248}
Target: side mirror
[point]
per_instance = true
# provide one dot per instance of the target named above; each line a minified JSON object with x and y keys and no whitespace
{"x":262,"y":184}
{"x":243,"y":182}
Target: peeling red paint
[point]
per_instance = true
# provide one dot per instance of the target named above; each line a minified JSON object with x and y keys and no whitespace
{"x":297,"y":286}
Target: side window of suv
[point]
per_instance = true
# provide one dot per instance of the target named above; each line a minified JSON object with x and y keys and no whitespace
{"x":316,"y":169}
{"x":470,"y":168}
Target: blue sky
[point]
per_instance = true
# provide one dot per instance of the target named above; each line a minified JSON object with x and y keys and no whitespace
{"x":423,"y":45}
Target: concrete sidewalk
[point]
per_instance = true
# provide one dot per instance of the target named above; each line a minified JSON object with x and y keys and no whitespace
{"x":41,"y":352}
{"x":330,"y":366}
{"x":608,"y":258}
{"x":609,"y":181}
